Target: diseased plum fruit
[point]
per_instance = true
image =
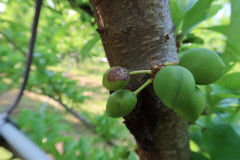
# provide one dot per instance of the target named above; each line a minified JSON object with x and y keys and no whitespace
{"x":172,"y":84}
{"x":115,"y":78}
{"x":120,"y":103}
{"x":193,"y":106}
{"x":205,"y":65}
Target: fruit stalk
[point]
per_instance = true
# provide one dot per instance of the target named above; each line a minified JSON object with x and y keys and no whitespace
{"x":170,"y":63}
{"x":142,"y":86}
{"x":141,"y":72}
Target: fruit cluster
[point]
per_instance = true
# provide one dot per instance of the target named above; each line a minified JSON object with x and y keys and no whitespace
{"x":175,"y":85}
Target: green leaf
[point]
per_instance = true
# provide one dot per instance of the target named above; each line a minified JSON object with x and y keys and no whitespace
{"x":232,"y":50}
{"x":214,"y":9}
{"x":230,"y":81}
{"x":192,"y":38}
{"x":69,"y":145}
{"x":176,"y":11}
{"x":195,"y":134}
{"x":222,"y":142}
{"x":187,"y":4}
{"x":197,"y":14}
{"x":198,"y":156}
{"x":223,"y":29}
{"x":179,"y":8}
{"x":223,"y":92}
{"x":88,"y":46}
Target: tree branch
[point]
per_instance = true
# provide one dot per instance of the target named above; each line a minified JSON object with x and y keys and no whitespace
{"x":9,"y":40}
{"x":29,"y":57}
{"x":74,"y":113}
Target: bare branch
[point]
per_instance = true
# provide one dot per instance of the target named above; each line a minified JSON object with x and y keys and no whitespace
{"x":29,"y":57}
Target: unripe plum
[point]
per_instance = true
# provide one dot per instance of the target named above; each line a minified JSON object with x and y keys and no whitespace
{"x":120,"y":103}
{"x":193,"y":106}
{"x":172,"y":84}
{"x":205,"y":65}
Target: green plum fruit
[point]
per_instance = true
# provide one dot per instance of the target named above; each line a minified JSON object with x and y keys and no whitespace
{"x":193,"y":106}
{"x":172,"y":84}
{"x":205,"y":65}
{"x":116,"y":78}
{"x":120,"y":103}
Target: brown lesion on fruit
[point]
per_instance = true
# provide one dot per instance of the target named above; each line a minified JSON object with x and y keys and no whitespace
{"x":118,"y":73}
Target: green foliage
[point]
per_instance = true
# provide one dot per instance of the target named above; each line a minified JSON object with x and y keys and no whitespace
{"x":234,"y":78}
{"x":179,"y":8}
{"x":216,"y":134}
{"x":224,"y":138}
{"x":56,"y":85}
{"x":41,"y":128}
{"x":232,"y":50}
{"x":223,"y":29}
{"x":199,"y":12}
{"x":107,"y":128}
{"x":53,"y":44}
{"x":188,"y":14}
{"x":217,"y":140}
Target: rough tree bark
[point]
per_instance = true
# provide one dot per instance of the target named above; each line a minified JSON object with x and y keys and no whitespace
{"x":139,"y":34}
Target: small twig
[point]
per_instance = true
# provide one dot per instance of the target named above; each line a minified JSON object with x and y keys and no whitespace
{"x":9,"y":40}
{"x":141,"y":72}
{"x":74,"y":113}
{"x":149,"y":81}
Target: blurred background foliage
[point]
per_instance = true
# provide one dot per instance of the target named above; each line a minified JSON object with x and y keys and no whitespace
{"x":66,"y":76}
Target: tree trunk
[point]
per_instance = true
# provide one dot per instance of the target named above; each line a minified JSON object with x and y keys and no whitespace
{"x":139,"y":34}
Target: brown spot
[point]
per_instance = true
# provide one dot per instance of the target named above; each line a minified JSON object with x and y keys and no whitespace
{"x":118,"y":73}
